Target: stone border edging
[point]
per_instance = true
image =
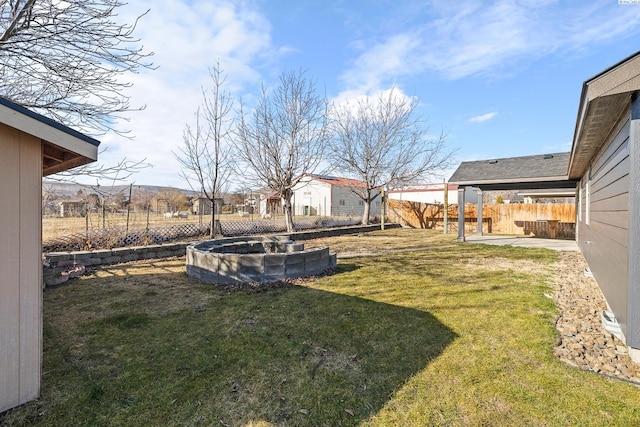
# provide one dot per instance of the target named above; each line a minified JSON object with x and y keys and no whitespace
{"x":57,"y":266}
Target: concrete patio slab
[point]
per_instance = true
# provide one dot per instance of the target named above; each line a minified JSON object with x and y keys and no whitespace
{"x":526,"y":242}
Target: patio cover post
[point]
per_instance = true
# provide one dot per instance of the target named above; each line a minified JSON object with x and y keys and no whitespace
{"x":461,"y":214}
{"x":479,"y":212}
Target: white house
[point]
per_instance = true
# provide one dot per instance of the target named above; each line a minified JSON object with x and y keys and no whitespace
{"x":425,"y":193}
{"x":321,"y":195}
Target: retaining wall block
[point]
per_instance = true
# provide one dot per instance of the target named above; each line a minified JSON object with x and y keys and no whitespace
{"x":121,"y":251}
{"x":334,"y":260}
{"x":91,"y":261}
{"x":275,"y":260}
{"x":58,"y":256}
{"x":78,"y":256}
{"x":149,"y":255}
{"x":130,"y":257}
{"x":295,"y":247}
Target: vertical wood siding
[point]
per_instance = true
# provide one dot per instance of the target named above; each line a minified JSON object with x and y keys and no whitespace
{"x":604,"y":224}
{"x":20,"y":267}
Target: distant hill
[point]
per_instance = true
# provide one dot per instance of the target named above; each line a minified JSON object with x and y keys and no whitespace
{"x":70,"y":189}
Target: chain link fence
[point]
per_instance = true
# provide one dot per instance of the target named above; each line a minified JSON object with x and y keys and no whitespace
{"x":120,"y":236}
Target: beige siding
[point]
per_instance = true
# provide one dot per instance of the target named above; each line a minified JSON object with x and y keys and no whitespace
{"x":20,"y":267}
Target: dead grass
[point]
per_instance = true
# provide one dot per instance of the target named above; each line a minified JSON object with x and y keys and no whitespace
{"x":387,"y":240}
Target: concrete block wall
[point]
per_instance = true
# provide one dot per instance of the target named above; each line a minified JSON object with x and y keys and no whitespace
{"x":60,"y":266}
{"x":57,"y":266}
{"x":209,"y":264}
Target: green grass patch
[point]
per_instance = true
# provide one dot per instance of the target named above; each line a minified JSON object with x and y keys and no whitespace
{"x":460,"y":335}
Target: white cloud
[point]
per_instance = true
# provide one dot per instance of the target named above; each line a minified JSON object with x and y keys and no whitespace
{"x":483,"y":117}
{"x":352,"y":99}
{"x":380,"y":62}
{"x":187,"y":38}
{"x":488,"y":38}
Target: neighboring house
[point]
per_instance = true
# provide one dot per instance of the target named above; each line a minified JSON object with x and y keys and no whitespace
{"x":202,"y":206}
{"x":603,"y":171}
{"x":32,"y":146}
{"x":270,"y":204}
{"x":425,"y":193}
{"x":321,"y":195}
{"x":71,"y":208}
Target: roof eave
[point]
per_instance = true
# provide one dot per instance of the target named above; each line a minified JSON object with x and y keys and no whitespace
{"x":611,"y":91}
{"x":63,"y":148}
{"x":511,"y":180}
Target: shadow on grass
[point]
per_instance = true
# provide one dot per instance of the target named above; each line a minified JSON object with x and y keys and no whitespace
{"x":346,"y":268}
{"x":289,"y":356}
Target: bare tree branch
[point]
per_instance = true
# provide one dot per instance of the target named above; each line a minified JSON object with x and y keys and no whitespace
{"x":66,"y":59}
{"x":205,"y":154}
{"x":118,"y":173}
{"x":382,"y":143}
{"x":285,"y":136}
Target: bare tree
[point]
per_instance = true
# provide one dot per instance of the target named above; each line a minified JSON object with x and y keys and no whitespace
{"x":285,"y":136}
{"x":65,"y":59}
{"x":205,"y":153}
{"x":382,"y":143}
{"x":172,"y":199}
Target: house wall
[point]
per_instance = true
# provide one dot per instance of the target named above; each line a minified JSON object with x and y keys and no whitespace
{"x":432,"y":195}
{"x":345,"y":203}
{"x":312,"y":198}
{"x":20,"y":267}
{"x":603,"y":221}
{"x":633,"y":310}
{"x":316,"y":198}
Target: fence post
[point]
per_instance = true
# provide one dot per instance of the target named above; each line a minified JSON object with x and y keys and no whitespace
{"x":446,"y":207}
{"x":480,"y":200}
{"x":383,"y":208}
{"x":461,"y":214}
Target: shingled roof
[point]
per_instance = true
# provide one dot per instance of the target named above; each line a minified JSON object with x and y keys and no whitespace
{"x":527,"y":172}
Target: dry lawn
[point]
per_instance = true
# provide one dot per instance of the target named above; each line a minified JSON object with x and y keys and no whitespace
{"x":452,"y":335}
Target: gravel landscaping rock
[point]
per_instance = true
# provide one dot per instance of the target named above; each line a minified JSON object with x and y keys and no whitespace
{"x":583,"y":341}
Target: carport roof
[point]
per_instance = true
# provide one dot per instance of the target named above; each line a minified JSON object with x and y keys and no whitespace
{"x":528,"y":172}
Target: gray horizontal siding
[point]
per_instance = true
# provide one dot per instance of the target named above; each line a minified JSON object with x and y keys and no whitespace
{"x":612,"y":153}
{"x":605,"y":240}
{"x":615,"y":203}
{"x":615,"y":187}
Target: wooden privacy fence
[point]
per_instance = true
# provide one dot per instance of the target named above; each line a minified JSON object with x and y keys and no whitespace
{"x":535,"y":219}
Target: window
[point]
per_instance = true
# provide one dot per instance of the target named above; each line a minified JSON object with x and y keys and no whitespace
{"x":341,"y":202}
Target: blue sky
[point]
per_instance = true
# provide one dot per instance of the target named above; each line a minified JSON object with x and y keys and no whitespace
{"x":500,"y":78}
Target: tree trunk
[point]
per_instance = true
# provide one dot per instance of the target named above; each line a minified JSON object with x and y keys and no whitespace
{"x":212,"y":230}
{"x":367,"y":211}
{"x":288,"y":212}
